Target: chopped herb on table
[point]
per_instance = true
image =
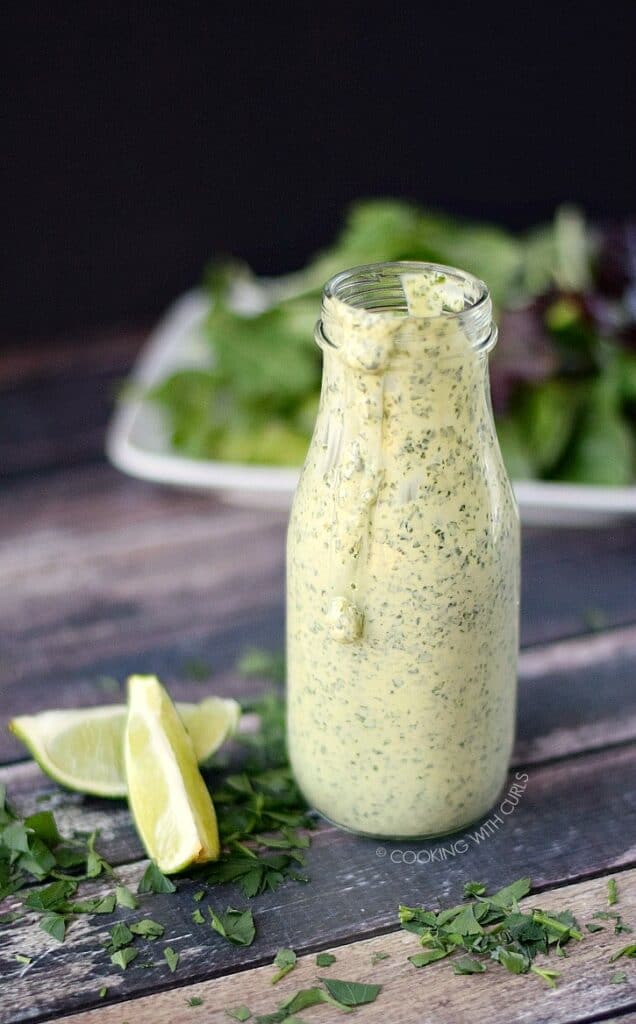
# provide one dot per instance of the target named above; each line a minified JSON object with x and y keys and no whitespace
{"x":343,"y":995}
{"x":628,"y":951}
{"x":123,"y":957}
{"x":171,"y":958}
{"x":618,"y":978}
{"x":153,"y":880}
{"x":285,"y":960}
{"x":351,"y":993}
{"x":263,"y":822}
{"x":125,"y":898}
{"x":325,"y":959}
{"x":237,"y":926}
{"x":148,"y":928}
{"x":612,"y":892}
{"x":377,"y":957}
{"x":492,"y":929}
{"x":610,"y":915}
{"x":120,"y":935}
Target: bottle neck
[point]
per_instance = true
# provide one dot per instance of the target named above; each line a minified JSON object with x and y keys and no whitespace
{"x":404,"y":315}
{"x":424,"y":398}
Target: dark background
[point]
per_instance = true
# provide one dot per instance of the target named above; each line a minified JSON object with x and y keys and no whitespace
{"x":141,"y":139}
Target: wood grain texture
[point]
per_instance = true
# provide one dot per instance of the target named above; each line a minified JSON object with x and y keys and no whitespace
{"x":576,"y":819}
{"x":55,"y":402}
{"x":433,"y":995}
{"x":101,"y":576}
{"x":574,"y":696}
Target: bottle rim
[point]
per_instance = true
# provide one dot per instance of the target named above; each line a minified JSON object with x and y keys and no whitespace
{"x":372,"y":293}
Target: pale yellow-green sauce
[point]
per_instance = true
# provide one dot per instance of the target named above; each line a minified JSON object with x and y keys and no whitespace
{"x":403,"y":577}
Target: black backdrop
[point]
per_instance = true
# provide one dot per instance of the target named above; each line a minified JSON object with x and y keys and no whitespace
{"x":142,"y":138}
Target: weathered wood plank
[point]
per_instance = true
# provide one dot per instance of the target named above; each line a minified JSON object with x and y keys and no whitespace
{"x":431,"y":996}
{"x":93,"y":597}
{"x":67,"y":357}
{"x":100,"y":576}
{"x":55,"y":402}
{"x":576,"y":818}
{"x":576,"y":695}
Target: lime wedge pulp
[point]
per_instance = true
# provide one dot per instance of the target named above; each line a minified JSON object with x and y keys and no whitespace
{"x":83,"y":749}
{"x":168,"y":798}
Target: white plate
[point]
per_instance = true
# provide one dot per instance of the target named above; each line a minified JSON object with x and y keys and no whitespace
{"x":138,"y":440}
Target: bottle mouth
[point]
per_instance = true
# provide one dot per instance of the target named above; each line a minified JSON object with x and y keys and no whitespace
{"x":376,"y":294}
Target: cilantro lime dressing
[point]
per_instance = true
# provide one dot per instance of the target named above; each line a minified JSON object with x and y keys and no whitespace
{"x":403,"y":562}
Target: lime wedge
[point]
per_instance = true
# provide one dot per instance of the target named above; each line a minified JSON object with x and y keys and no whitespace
{"x":83,"y":749}
{"x":169,"y":800}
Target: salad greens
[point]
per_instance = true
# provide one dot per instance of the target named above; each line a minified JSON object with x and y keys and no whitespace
{"x":563,"y":376}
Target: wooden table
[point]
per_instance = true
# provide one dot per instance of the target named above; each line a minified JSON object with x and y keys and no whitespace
{"x":101,"y":575}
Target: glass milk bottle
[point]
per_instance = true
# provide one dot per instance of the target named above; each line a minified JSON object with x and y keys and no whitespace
{"x":403,"y":561}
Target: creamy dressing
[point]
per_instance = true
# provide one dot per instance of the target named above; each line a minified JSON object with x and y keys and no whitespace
{"x":403,"y":569}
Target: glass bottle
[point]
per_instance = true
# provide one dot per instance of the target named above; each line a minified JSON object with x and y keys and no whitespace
{"x":403,"y":561}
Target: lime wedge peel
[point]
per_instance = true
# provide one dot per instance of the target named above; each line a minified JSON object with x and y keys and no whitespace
{"x":83,"y":749}
{"x":168,"y":798}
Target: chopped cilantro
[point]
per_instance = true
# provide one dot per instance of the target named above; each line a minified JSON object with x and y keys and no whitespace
{"x":96,"y":905}
{"x":153,"y":880}
{"x":305,"y":998}
{"x":237,"y":926}
{"x":53,"y":897}
{"x":618,"y":978}
{"x":95,"y":863}
{"x":325,"y":959}
{"x":148,"y":928}
{"x":380,"y":955}
{"x":125,"y":898}
{"x":593,"y":927}
{"x":611,"y":915}
{"x":123,"y":957}
{"x":548,"y":976}
{"x":54,"y":925}
{"x":172,"y":958}
{"x":514,"y":962}
{"x":194,"y":1001}
{"x":120,"y":936}
{"x":628,"y":951}
{"x":285,"y":960}
{"x":466,"y":965}
{"x":424,"y":959}
{"x":351,"y":993}
{"x":491,"y":927}
{"x":474,"y":889}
